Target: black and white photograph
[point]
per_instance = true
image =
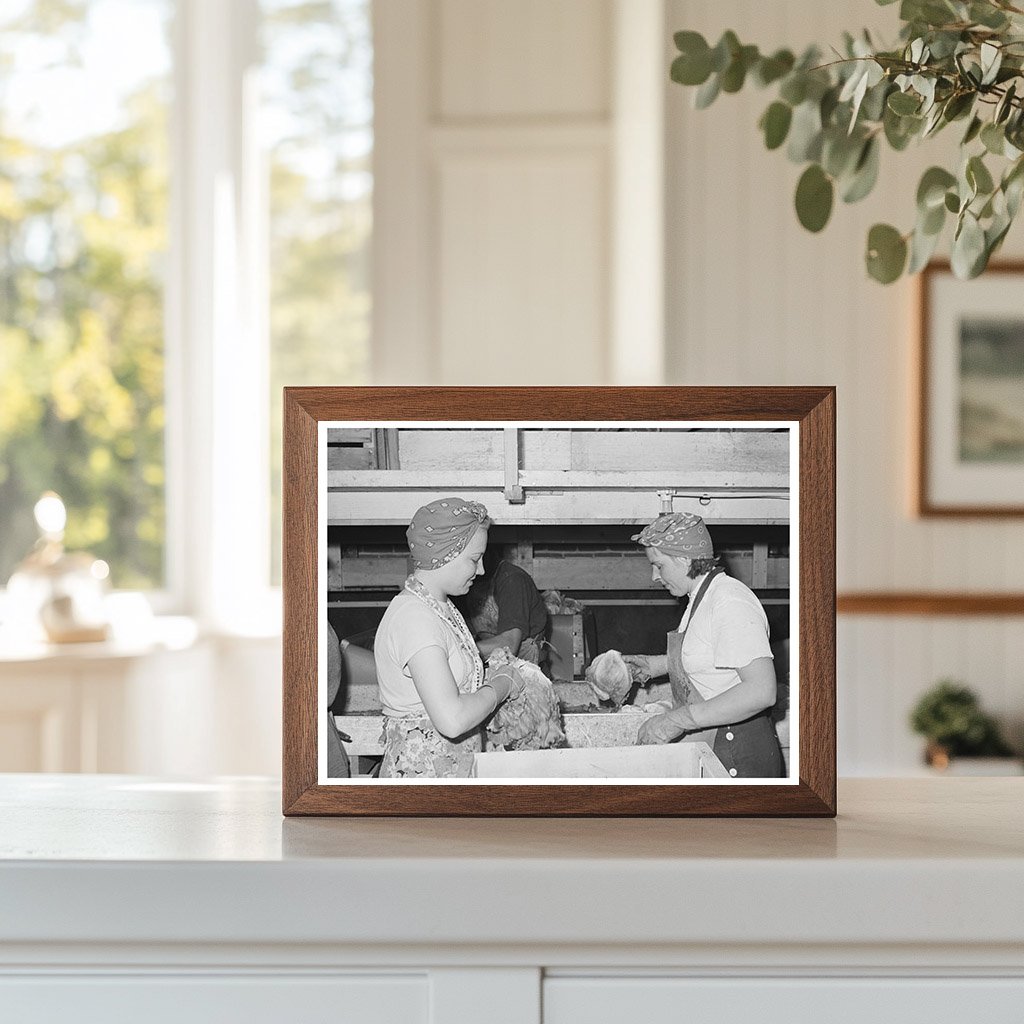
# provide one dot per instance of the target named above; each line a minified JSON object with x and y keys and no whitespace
{"x":534,"y":602}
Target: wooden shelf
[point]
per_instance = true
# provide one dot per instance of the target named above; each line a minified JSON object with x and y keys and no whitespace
{"x":928,"y":603}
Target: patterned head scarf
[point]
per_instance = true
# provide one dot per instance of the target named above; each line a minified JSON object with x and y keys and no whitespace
{"x":439,"y":531}
{"x":677,"y":533}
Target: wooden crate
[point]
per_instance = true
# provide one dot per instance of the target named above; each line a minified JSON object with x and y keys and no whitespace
{"x":672,"y":761}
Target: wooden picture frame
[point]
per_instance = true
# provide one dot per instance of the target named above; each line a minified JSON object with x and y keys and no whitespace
{"x":806,"y":413}
{"x":969,"y":448}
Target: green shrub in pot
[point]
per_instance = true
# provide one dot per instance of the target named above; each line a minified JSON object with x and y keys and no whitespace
{"x":950,"y":717}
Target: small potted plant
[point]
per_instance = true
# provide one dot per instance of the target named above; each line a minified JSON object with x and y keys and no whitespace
{"x":950,"y":717}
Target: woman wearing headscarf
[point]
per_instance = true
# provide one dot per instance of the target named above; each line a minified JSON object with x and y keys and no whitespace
{"x":718,"y":661}
{"x":432,"y":684}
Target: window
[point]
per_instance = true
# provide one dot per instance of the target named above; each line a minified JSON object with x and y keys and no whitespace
{"x":317,"y":121}
{"x":83,"y":236}
{"x":185,"y":221}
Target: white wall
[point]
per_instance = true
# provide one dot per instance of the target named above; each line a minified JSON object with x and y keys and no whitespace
{"x":507,"y":134}
{"x":510,"y":139}
{"x":755,"y":299}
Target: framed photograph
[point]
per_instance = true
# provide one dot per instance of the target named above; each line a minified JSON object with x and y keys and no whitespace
{"x":559,"y":601}
{"x":970,"y":445}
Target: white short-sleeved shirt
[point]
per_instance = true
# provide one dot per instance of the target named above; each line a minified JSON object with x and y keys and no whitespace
{"x":728,"y":632}
{"x":408,"y":627}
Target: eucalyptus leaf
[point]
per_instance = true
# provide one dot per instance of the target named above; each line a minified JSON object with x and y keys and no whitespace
{"x":968,"y":247}
{"x":865,"y":174}
{"x":993,"y":138}
{"x":952,"y":202}
{"x":903,"y":103}
{"x":994,"y":236}
{"x":805,"y":133}
{"x":1004,"y":106}
{"x":814,"y":194}
{"x":857,"y":77}
{"x":687,"y":71}
{"x":794,"y":88}
{"x":922,"y":248}
{"x":972,"y":131}
{"x":958,"y":105}
{"x":930,"y":12}
{"x":771,"y":69}
{"x":991,"y":59}
{"x":724,"y":51}
{"x":900,"y":130}
{"x":886,"y":253}
{"x":943,"y":44}
{"x":987,"y":15}
{"x":1013,"y":187}
{"x":688,"y":41}
{"x":828,"y":104}
{"x":735,"y":74}
{"x":708,"y":92}
{"x":931,"y":190}
{"x":775,"y":122}
{"x":840,"y":152}
{"x":978,"y":176}
{"x":966,"y":187}
{"x":932,"y":221}
{"x":873,"y":106}
{"x":934,"y":121}
{"x":1013,"y":191}
{"x":925,"y":88}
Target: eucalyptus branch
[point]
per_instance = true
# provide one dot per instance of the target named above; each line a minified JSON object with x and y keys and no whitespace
{"x":833,"y":117}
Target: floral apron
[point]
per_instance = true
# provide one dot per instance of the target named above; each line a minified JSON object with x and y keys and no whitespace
{"x":413,"y":748}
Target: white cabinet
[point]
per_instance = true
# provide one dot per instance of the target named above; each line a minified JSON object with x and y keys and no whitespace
{"x":824,"y":1000}
{"x":206,"y":999}
{"x":95,"y":708}
{"x":132,"y":898}
{"x":175,"y":705}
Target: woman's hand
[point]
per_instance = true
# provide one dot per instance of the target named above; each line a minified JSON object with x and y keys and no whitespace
{"x":639,"y":666}
{"x":452,"y":713}
{"x":506,"y":682}
{"x":667,"y":727}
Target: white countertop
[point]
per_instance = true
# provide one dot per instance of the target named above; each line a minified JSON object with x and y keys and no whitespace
{"x":124,"y":859}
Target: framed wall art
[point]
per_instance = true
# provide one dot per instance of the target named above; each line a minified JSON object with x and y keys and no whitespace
{"x":559,"y":601}
{"x":970,"y":443}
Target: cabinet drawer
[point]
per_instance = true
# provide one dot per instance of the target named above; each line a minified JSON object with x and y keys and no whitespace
{"x":202,"y":999}
{"x":667,"y":1000}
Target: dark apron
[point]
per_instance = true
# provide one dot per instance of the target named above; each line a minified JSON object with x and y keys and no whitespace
{"x":748,"y":749}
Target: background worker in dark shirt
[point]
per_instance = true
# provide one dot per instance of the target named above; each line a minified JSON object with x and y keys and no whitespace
{"x":504,"y":608}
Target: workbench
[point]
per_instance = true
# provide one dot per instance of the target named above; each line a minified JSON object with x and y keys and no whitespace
{"x":126,"y":898}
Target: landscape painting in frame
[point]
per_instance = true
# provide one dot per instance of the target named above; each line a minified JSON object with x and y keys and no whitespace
{"x":971,"y":415}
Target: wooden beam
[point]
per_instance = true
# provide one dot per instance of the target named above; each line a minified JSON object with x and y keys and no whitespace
{"x":379,"y":507}
{"x":759,"y":569}
{"x":928,"y":603}
{"x":513,"y":488}
{"x":710,"y":481}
